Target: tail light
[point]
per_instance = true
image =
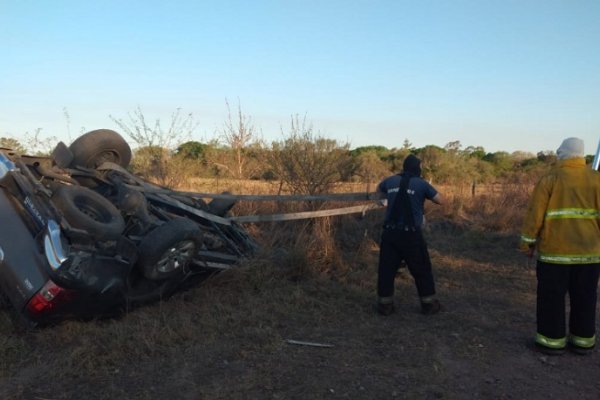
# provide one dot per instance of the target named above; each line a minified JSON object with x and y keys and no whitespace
{"x":49,"y":298}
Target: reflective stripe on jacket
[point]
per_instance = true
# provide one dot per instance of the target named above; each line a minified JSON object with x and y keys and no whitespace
{"x":563,"y":217}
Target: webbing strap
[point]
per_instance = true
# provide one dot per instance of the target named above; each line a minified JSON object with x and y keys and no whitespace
{"x":305,"y":214}
{"x":402,"y":204}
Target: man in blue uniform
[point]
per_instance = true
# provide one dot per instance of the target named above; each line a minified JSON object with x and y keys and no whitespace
{"x":402,"y":239}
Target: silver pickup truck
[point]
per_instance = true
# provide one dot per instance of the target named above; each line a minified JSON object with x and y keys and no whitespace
{"x":81,"y":236}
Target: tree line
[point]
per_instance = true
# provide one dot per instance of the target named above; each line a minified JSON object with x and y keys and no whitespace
{"x":304,"y":161}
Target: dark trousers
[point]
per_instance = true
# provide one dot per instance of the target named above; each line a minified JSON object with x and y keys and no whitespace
{"x":398,"y":245}
{"x":554,"y":281}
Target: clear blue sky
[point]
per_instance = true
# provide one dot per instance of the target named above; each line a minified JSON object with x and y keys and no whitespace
{"x":505,"y":75}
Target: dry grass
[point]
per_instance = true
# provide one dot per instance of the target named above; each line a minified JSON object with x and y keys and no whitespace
{"x":495,"y":208}
{"x":315,"y":281}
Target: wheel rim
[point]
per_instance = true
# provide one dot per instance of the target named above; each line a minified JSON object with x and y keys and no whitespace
{"x":105,"y":156}
{"x":176,"y":257}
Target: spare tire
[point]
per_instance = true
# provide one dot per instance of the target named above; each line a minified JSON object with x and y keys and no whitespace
{"x":87,"y":210}
{"x":92,"y":149}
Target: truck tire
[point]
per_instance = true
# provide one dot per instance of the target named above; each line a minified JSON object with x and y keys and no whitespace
{"x":87,"y":210}
{"x":92,"y":149}
{"x":168,"y":250}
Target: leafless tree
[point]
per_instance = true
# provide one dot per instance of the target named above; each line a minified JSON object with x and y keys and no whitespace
{"x":146,"y":134}
{"x":157,"y":144}
{"x":239,"y":134}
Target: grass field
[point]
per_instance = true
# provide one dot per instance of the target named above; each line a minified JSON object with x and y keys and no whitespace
{"x":314,"y":281}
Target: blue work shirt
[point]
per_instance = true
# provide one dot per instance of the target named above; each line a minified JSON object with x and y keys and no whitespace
{"x":418,"y":190}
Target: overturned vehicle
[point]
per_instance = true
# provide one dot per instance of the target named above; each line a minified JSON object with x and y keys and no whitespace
{"x":81,"y":236}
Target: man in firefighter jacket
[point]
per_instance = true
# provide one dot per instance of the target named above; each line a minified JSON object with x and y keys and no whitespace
{"x":563,"y":224}
{"x":402,"y":239}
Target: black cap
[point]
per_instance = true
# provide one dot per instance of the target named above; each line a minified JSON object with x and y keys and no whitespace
{"x":412,"y":165}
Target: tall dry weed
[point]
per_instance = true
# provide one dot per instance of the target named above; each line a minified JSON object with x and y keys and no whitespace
{"x":338,"y":248}
{"x":343,"y":248}
{"x":499,"y":208}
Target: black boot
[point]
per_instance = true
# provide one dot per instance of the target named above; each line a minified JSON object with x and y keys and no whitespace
{"x":430,"y":307}
{"x":385,"y":309}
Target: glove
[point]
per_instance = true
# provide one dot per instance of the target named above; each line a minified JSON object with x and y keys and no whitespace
{"x":527,"y":248}
{"x":530,"y":252}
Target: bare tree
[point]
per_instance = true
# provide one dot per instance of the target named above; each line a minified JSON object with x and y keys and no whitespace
{"x":157,"y":144}
{"x":35,"y":144}
{"x":239,"y":135}
{"x":146,"y":134}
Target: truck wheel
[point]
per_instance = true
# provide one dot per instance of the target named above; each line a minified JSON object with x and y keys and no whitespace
{"x":91,"y":149}
{"x":169,"y":249}
{"x":87,"y":210}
